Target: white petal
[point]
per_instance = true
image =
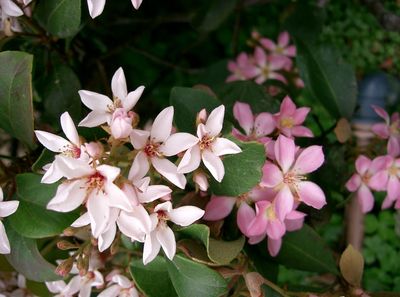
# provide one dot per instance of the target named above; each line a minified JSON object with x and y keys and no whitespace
{"x":166,"y":238}
{"x":8,"y":207}
{"x":162,"y":125}
{"x":177,"y":143}
{"x":95,"y":118}
{"x":139,"y":138}
{"x":11,"y":9}
{"x":169,"y":170}
{"x":96,"y":7}
{"x":165,"y":206}
{"x":185,"y":215}
{"x":99,"y":212}
{"x":96,"y":101}
{"x":112,"y":291}
{"x":110,"y":172}
{"x":190,"y":161}
{"x":85,"y":290}
{"x":73,"y":286}
{"x":151,"y":248}
{"x":135,"y":224}
{"x":106,"y":238}
{"x":118,"y":85}
{"x":116,"y":197}
{"x":52,"y":174}
{"x":53,"y":142}
{"x":215,"y":120}
{"x":4,"y":243}
{"x":69,"y":196}
{"x":121,"y":280}
{"x":83,"y":220}
{"x":132,"y":98}
{"x":69,"y":128}
{"x":55,"y":286}
{"x":140,"y":167}
{"x":223,"y":146}
{"x":213,"y":164}
{"x":153,"y":193}
{"x":136,"y":3}
{"x":73,"y":168}
{"x":1,"y":194}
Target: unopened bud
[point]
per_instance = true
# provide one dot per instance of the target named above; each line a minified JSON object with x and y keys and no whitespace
{"x":65,"y":267}
{"x":83,"y":264}
{"x":255,"y":35}
{"x":201,"y":117}
{"x":87,"y":249}
{"x":66,"y":245}
{"x":94,"y":149}
{"x":70,"y":231}
{"x":200,"y":178}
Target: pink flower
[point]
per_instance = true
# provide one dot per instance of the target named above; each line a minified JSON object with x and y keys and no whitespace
{"x":388,"y":130}
{"x":162,"y":235}
{"x":121,"y":123}
{"x":209,"y":147}
{"x":360,"y":181}
{"x":239,"y":68}
{"x":288,"y":178}
{"x":266,"y":67}
{"x":6,"y":208}
{"x":282,"y":47}
{"x":157,"y":144}
{"x":289,"y":119}
{"x":255,"y":127}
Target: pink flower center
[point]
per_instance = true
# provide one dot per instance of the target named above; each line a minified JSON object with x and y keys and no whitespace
{"x":395,"y":128}
{"x":162,"y":215}
{"x":287,"y":122}
{"x":366,"y":177}
{"x":72,"y":151}
{"x":95,"y":181}
{"x":292,"y":180}
{"x":151,"y":149}
{"x":279,"y":50}
{"x":393,"y":170}
{"x":206,"y":142}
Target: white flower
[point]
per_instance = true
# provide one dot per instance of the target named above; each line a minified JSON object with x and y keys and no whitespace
{"x":103,"y":107}
{"x":6,"y":208}
{"x":157,"y":144}
{"x":121,"y":286}
{"x":161,"y":235}
{"x":209,"y":147}
{"x":96,"y":7}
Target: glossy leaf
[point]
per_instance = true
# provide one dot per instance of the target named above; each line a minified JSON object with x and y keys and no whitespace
{"x":26,"y":259}
{"x":61,"y":18}
{"x":195,"y":280}
{"x":152,"y":279}
{"x":220,"y":252}
{"x":242,"y":171}
{"x":16,"y":112}
{"x":328,"y":77}
{"x":351,"y":266}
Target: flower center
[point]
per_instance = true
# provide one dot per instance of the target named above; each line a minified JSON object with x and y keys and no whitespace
{"x":72,"y":151}
{"x":393,"y":170}
{"x":265,"y":71}
{"x":151,"y":149}
{"x":270,"y":213}
{"x":365,"y":178}
{"x":292,"y":180}
{"x":287,"y":122}
{"x":117,"y":104}
{"x":95,"y":181}
{"x":206,"y":142}
{"x":279,"y":50}
{"x":394,"y":128}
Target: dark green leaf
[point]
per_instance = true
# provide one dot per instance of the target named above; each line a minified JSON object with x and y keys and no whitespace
{"x":26,"y":259}
{"x":270,"y":292}
{"x":187,"y":102}
{"x":243,"y":171}
{"x":61,"y":18}
{"x":16,"y":112}
{"x":328,"y":77}
{"x":214,"y":14}
{"x":45,"y":157}
{"x":152,"y":279}
{"x":305,"y":250}
{"x":195,"y":280}
{"x":220,"y":252}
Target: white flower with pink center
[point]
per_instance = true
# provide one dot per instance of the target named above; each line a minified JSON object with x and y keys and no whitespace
{"x":288,"y":177}
{"x":157,"y":144}
{"x":209,"y":147}
{"x":6,"y":208}
{"x":162,"y":235}
{"x":103,"y":108}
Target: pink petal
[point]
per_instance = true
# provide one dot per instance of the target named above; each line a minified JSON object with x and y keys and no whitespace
{"x":365,"y":198}
{"x":294,"y":220}
{"x":284,"y":152}
{"x":136,"y":3}
{"x":309,"y":160}
{"x":214,"y":164}
{"x":393,"y":146}
{"x":283,"y":39}
{"x":264,"y":124}
{"x":277,"y":62}
{"x":139,"y":138}
{"x":218,"y":208}
{"x":99,"y":212}
{"x":301,"y":131}
{"x":288,"y":108}
{"x":107,"y":238}
{"x":284,"y":202}
{"x":274,"y":245}
{"x":118,"y":85}
{"x":272,"y":175}
{"x":166,"y":238}
{"x":311,"y":194}
{"x":185,"y":215}
{"x":381,"y":129}
{"x":177,"y":143}
{"x":190,"y":161}
{"x":291,"y":51}
{"x":257,"y":226}
{"x":223,"y":146}
{"x":110,"y":172}
{"x":243,"y":114}
{"x":275,"y":229}
{"x":362,"y":164}
{"x":260,"y":57}
{"x":353,"y":183}
{"x":380,"y":163}
{"x":140,"y":167}
{"x":169,"y":170}
{"x":268,"y":44}
{"x":83,"y":220}
{"x":379,"y":180}
{"x":244,"y":217}
{"x":162,"y":125}
{"x":96,"y":7}
{"x":382,"y":113}
{"x":151,"y":248}
{"x":393,"y":187}
{"x":132,"y":98}
{"x":215,"y":121}
{"x":300,"y":115}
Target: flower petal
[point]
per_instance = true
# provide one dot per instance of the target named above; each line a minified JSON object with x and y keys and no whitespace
{"x":8,"y":208}
{"x":169,"y":170}
{"x":274,"y":246}
{"x":365,"y":198}
{"x":166,"y":238}
{"x":275,"y":229}
{"x":11,"y":9}
{"x":4,"y":243}
{"x":69,"y":196}
{"x":311,"y":194}
{"x":219,"y":207}
{"x":284,"y":202}
{"x":284,"y":152}
{"x":162,"y":125}
{"x":243,"y":114}
{"x":52,"y":142}
{"x":353,"y":183}
{"x":153,"y":193}
{"x":177,"y":143}
{"x":106,"y":238}
{"x":264,"y":124}
{"x":95,"y":118}
{"x":213,"y":164}
{"x":362,"y":164}
{"x":185,"y":215}
{"x":393,"y":187}
{"x":132,"y":98}
{"x":110,"y":172}
{"x":69,"y":128}
{"x":215,"y":121}
{"x":272,"y":175}
{"x":96,"y":7}
{"x":309,"y":160}
{"x":244,"y":217}
{"x":96,"y":101}
{"x":139,"y":138}
{"x":151,"y":248}
{"x":118,"y":85}
{"x":83,"y":220}
{"x":223,"y":146}
{"x":190,"y":161}
{"x":379,"y":180}
{"x":99,"y":212}
{"x":140,"y":167}
{"x":136,"y":3}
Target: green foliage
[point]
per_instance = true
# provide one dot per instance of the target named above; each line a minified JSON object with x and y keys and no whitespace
{"x":16,"y":111}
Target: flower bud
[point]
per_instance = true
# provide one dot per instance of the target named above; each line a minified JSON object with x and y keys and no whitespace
{"x":201,"y":180}
{"x":121,"y":123}
{"x":201,"y":117}
{"x":94,"y":149}
{"x":66,"y":245}
{"x":83,"y":264}
{"x":65,"y":267}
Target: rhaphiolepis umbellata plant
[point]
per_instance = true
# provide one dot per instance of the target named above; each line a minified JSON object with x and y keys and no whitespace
{"x":102,"y":194}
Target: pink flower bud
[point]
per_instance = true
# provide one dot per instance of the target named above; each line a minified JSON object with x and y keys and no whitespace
{"x":121,"y":123}
{"x":94,"y":149}
{"x":201,"y":180}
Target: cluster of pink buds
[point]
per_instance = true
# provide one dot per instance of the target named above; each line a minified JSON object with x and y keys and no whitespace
{"x":284,"y":184}
{"x":131,"y":193}
{"x":383,"y":172}
{"x":270,"y":61}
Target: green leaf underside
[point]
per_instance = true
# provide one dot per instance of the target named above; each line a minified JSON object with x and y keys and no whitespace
{"x":16,"y":111}
{"x":195,"y":280}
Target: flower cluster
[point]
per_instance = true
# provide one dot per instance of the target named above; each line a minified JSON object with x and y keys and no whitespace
{"x":9,"y":11}
{"x":270,"y":61}
{"x":133,"y":198}
{"x":284,"y":184}
{"x":383,"y":172}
